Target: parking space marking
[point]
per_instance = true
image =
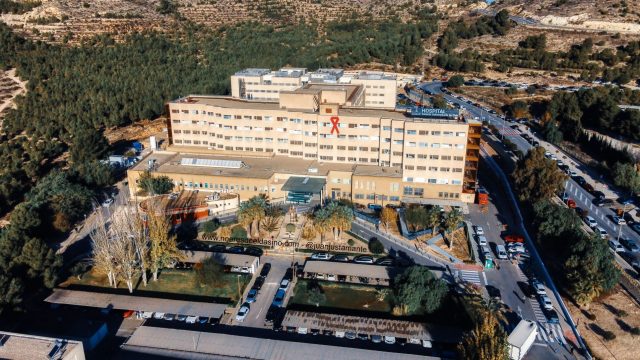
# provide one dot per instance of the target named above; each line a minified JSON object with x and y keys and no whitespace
{"x":484,"y":276}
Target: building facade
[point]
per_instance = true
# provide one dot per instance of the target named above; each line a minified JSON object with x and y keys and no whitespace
{"x":368,"y":155}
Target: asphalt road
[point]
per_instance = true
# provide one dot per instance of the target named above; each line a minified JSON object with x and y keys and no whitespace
{"x":582,"y":197}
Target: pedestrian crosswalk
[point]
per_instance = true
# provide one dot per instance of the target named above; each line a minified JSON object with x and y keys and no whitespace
{"x":507,"y":131}
{"x":550,"y":333}
{"x":470,"y":276}
{"x":537,"y":311}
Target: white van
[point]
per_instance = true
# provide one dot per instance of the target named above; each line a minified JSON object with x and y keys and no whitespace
{"x":590,"y":221}
{"x":501,"y":252}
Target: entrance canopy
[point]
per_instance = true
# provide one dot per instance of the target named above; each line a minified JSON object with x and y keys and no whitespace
{"x":301,"y":184}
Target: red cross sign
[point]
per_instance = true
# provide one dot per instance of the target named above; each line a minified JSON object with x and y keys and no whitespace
{"x":334,"y":121}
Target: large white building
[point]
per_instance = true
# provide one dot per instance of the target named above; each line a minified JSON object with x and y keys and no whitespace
{"x":380,"y":88}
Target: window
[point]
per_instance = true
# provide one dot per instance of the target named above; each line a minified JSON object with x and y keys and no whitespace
{"x":447,"y":133}
{"x":411,"y":144}
{"x":340,"y":158}
{"x":435,"y":146}
{"x":363,"y":148}
{"x":359,"y":196}
{"x":411,"y":132}
{"x":445,"y":146}
{"x":446,"y":157}
{"x":462,"y":134}
{"x":408,"y":190}
{"x":353,"y":148}
{"x":445,"y":169}
{"x":458,"y":158}
{"x":386,"y":128}
{"x":283,"y":151}
{"x":398,"y":130}
{"x":341,"y":147}
{"x":435,"y":133}
{"x":459,"y":146}
{"x":175,"y":111}
{"x":409,"y":167}
{"x":457,"y":170}
{"x":327,"y":158}
{"x":410,"y":156}
{"x":177,"y":131}
{"x":423,"y":144}
{"x":422,"y":168}
{"x":418,"y":191}
{"x":394,"y":198}
{"x":434,"y":157}
{"x":433,"y":168}
{"x":398,"y":142}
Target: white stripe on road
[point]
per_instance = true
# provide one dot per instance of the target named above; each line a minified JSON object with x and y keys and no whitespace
{"x":484,"y":276}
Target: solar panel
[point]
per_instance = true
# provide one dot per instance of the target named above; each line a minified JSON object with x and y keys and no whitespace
{"x":229,"y":164}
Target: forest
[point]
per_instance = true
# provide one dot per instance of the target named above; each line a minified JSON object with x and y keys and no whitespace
{"x":50,"y":145}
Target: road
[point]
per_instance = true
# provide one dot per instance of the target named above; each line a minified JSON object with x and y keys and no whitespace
{"x":524,"y":146}
{"x":582,"y":197}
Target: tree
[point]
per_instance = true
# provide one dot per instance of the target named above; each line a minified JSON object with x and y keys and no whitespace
{"x":104,"y":261}
{"x":417,"y":291}
{"x":627,"y":177}
{"x":375,"y":246}
{"x":487,"y":341}
{"x":163,"y":247}
{"x":388,"y":216}
{"x":551,"y":132}
{"x":308,"y":232}
{"x":208,"y":272}
{"x":415,"y":217}
{"x":315,"y":292}
{"x":439,"y":102}
{"x":432,"y":218}
{"x":210,"y":227}
{"x":455,"y":81}
{"x":451,"y":222}
{"x":536,"y":177}
{"x":150,"y":185}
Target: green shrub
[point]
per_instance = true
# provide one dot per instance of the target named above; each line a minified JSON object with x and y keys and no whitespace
{"x":351,"y":242}
{"x":238,"y":232}
{"x":375,"y":246}
{"x":621,"y":313}
{"x":590,"y":316}
{"x":210,"y":226}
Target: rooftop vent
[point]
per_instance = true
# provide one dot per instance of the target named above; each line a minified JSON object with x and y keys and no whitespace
{"x":216,"y":163}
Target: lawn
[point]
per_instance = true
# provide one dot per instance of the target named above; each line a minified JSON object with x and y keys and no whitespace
{"x":170,"y":282}
{"x":345,"y":296}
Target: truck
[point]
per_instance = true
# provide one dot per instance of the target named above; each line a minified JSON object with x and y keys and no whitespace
{"x":521,"y":339}
{"x":482,"y":196}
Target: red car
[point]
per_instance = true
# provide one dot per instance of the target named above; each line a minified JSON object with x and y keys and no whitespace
{"x":513,"y":238}
{"x":571,"y":204}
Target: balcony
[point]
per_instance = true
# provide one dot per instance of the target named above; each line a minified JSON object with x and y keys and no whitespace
{"x":473,"y":146}
{"x":471,"y":165}
{"x":473,"y":155}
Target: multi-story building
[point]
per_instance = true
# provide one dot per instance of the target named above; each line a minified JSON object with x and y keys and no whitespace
{"x":318,"y":140}
{"x":265,"y":85}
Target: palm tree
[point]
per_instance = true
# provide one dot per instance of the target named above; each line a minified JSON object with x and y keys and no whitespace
{"x":343,"y":217}
{"x":245,"y":215}
{"x":432,"y":218}
{"x":259,"y":209}
{"x":451,"y":221}
{"x":321,"y":223}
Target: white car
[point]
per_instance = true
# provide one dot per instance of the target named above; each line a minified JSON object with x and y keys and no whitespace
{"x":538,"y":287}
{"x":482,"y":241}
{"x":242,"y":313}
{"x":284,"y":284}
{"x":147,"y":315}
{"x":390,"y":340}
{"x":479,"y":230}
{"x":546,"y":302}
{"x":602,"y":232}
{"x":320,"y":256}
{"x":158,"y":315}
{"x":616,"y":246}
{"x":590,"y":221}
{"x":191,"y":319}
{"x":618,"y":220}
{"x":107,"y":202}
{"x":573,"y":173}
{"x":516,"y":247}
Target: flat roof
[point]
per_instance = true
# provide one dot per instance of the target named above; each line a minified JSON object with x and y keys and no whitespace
{"x":304,"y":184}
{"x":24,"y":346}
{"x":138,"y":303}
{"x":365,"y":75}
{"x":253,"y":72}
{"x":350,"y":269}
{"x":185,"y":344}
{"x":358,"y":324}
{"x":232,"y":103}
{"x":383,"y":171}
{"x":254,"y":167}
{"x":522,"y":332}
{"x":221,"y":258}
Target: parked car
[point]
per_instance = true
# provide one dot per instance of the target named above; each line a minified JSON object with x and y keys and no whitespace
{"x":181,"y":317}
{"x":618,"y":220}
{"x":516,"y":248}
{"x":630,"y":245}
{"x":169,"y":317}
{"x":591,"y":221}
{"x":478,"y":229}
{"x":538,"y":288}
{"x":242,"y":313}
{"x":158,"y":315}
{"x":258,"y":283}
{"x":580,"y":180}
{"x":218,"y":248}
{"x":598,"y":195}
{"x":636,"y":228}
{"x":363,"y":259}
{"x":602,"y":232}
{"x":501,"y":252}
{"x":389,"y":340}
{"x":271,"y":315}
{"x":255,"y":251}
{"x":236,"y":249}
{"x":552,"y":316}
{"x":587,"y":187}
{"x":320,"y":256}
{"x":340,"y":257}
{"x":615,"y":246}
{"x":571,"y":203}
{"x":251,"y":295}
{"x":191,"y":319}
{"x":546,"y":302}
{"x":284,"y":284}
{"x":265,"y":269}
{"x":482,"y":241}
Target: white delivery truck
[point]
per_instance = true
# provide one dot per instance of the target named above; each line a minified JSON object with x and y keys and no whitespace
{"x":521,"y":339}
